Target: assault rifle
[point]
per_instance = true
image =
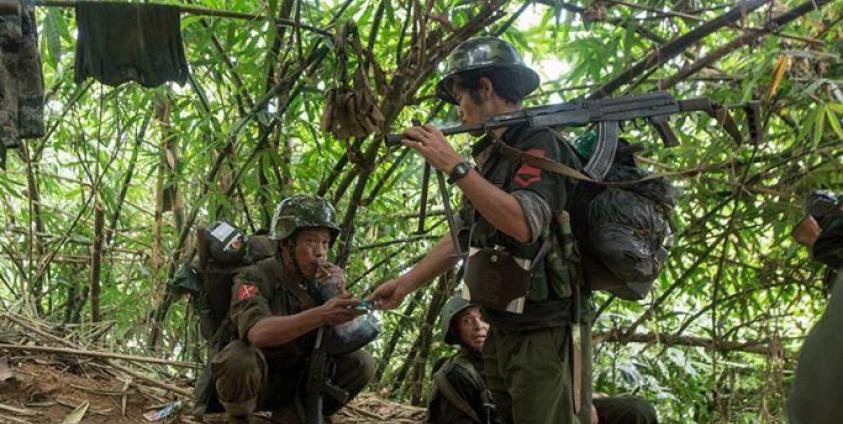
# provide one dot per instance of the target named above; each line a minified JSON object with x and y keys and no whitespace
{"x":318,"y":383}
{"x":331,"y":341}
{"x":606,"y":114}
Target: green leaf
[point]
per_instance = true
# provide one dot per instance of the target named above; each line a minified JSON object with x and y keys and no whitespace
{"x":52,"y":35}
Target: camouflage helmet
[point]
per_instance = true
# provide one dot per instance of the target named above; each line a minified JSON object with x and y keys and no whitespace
{"x":452,"y":308}
{"x":303,"y":211}
{"x":485,"y":53}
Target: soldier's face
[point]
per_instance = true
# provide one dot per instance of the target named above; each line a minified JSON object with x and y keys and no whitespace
{"x":472,"y":329}
{"x":311,"y":249}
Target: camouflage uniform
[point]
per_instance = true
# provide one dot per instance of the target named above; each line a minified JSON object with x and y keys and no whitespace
{"x":242,"y":378}
{"x":21,"y":79}
{"x":816,"y":395}
{"x":245,"y":378}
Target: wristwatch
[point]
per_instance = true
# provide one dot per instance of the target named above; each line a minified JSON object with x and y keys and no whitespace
{"x":460,"y":170}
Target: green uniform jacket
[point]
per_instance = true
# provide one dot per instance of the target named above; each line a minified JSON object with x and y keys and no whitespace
{"x":541,"y":195}
{"x":260,"y":290}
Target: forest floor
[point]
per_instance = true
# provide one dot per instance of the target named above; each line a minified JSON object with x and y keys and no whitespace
{"x":50,"y":377}
{"x":42,"y":390}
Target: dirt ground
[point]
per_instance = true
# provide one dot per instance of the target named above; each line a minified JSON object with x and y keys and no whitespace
{"x":44,"y":390}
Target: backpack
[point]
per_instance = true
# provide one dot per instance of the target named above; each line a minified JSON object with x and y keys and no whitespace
{"x":222,"y":250}
{"x":620,"y":224}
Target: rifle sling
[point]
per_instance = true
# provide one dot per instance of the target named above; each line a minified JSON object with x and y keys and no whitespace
{"x":451,"y":394}
{"x":556,"y":167}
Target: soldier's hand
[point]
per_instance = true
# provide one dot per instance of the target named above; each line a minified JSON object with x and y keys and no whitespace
{"x":430,"y":142}
{"x":330,"y":271}
{"x":340,"y":309}
{"x":388,"y":295}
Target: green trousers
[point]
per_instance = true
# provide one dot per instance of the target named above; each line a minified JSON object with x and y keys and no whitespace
{"x":246,"y":382}
{"x":531,"y":375}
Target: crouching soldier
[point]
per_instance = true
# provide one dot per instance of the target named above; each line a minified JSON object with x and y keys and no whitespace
{"x":273,"y":318}
{"x":459,"y":393}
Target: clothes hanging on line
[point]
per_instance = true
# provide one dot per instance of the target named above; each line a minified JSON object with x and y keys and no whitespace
{"x":120,"y":42}
{"x":21,"y":79}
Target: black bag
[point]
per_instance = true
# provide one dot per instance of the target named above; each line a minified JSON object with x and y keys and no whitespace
{"x":222,"y":249}
{"x":621,"y":229}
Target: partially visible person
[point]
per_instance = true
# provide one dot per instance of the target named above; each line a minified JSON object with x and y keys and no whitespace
{"x":459,"y":394}
{"x":816,"y":395}
{"x":625,"y":409}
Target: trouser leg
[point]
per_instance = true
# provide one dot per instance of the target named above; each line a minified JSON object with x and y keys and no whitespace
{"x":239,"y":371}
{"x":495,"y":379}
{"x":531,"y":373}
{"x":353,"y":372}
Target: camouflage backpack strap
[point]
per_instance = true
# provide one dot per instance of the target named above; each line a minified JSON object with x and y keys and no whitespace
{"x":442,"y":385}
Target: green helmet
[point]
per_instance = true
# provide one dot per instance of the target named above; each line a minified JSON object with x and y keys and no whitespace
{"x":452,"y":308}
{"x":303,"y":211}
{"x":485,"y":53}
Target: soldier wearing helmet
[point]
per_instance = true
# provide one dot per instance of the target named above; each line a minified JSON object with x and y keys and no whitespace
{"x":459,"y":394}
{"x":507,"y":220}
{"x":273,"y":319}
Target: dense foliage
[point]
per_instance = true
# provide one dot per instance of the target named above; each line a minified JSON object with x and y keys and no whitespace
{"x":715,"y":342}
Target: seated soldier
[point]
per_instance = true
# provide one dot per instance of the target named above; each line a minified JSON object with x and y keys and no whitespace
{"x":273,"y":318}
{"x":459,"y":393}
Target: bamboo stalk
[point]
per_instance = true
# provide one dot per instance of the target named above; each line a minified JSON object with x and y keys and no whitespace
{"x":96,"y":256}
{"x":99,"y":354}
{"x":200,"y":11}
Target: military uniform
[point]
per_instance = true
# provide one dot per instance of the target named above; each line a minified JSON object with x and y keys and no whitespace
{"x":244,"y":378}
{"x":529,"y":357}
{"x":459,"y":394}
{"x":816,"y":395}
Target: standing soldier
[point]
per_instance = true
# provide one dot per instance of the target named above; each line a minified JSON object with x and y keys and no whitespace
{"x":536,"y":356}
{"x":272,"y":320}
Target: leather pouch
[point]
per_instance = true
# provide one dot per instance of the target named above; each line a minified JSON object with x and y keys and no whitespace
{"x":497,"y":280}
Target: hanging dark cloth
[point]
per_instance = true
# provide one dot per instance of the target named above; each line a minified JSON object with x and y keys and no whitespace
{"x":120,"y":42}
{"x":21,"y":80}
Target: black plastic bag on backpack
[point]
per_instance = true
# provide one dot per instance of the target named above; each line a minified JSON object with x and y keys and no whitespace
{"x":626,"y":227}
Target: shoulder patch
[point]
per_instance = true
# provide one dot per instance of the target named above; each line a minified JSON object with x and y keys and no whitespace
{"x":528,"y":174}
{"x":247,"y":291}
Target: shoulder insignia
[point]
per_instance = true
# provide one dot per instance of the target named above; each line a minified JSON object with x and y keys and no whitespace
{"x":528,"y":174}
{"x":247,"y":291}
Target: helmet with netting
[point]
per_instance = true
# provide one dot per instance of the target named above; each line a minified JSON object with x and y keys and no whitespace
{"x":486,"y":53}
{"x":300,"y":212}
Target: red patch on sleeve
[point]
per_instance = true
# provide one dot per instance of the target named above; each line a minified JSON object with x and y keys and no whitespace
{"x":529,"y":174}
{"x":247,"y":291}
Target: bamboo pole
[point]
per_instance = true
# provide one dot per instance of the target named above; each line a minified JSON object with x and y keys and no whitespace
{"x":200,"y":11}
{"x":99,"y":354}
{"x":96,"y":255}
